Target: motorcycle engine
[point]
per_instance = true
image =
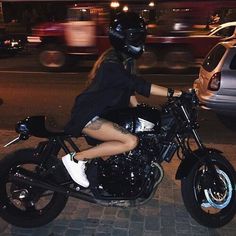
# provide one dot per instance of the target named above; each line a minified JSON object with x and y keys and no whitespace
{"x":128,"y":175}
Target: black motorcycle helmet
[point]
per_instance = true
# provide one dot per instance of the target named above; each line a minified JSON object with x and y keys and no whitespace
{"x":127,"y":33}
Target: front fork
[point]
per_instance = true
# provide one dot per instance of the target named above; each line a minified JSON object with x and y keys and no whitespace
{"x":193,"y":129}
{"x":190,"y":158}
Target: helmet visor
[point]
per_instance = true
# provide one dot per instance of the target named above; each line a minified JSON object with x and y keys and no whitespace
{"x":136,"y":37}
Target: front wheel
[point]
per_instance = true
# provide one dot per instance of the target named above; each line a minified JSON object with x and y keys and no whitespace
{"x":23,"y":205}
{"x":210,"y":201}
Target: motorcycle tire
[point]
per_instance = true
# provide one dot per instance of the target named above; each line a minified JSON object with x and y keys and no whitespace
{"x":209,"y":205}
{"x":22,"y":205}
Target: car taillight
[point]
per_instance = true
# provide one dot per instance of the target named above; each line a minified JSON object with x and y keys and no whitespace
{"x":7,"y":42}
{"x":214,"y":83}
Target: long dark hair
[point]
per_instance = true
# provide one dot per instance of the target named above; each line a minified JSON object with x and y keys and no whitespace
{"x":109,"y":55}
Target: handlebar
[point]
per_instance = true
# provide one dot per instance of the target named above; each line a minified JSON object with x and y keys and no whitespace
{"x":188,"y":99}
{"x":186,"y":96}
{"x":190,"y":95}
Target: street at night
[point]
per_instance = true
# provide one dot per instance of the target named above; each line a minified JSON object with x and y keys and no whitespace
{"x":166,"y":166}
{"x":28,"y":90}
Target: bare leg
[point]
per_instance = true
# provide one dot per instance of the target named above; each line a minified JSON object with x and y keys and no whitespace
{"x":116,"y":140}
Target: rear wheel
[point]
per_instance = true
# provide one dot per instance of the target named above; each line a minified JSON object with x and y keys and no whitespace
{"x":210,"y":201}
{"x":23,"y":205}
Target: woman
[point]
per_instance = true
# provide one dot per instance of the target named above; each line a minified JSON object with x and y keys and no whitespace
{"x":112,"y":85}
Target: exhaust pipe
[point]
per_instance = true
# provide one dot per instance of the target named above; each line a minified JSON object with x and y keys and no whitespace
{"x":21,"y":178}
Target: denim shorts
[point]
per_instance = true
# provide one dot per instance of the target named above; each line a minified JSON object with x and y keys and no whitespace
{"x":94,"y":118}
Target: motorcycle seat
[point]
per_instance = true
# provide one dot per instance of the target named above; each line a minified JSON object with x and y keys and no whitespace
{"x":36,"y":126}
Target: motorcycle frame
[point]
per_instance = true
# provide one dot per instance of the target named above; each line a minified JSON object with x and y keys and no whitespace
{"x":57,"y":141}
{"x":52,"y":147}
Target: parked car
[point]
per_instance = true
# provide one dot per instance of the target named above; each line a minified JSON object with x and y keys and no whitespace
{"x":226,"y":30}
{"x":216,"y":83}
{"x":9,"y":44}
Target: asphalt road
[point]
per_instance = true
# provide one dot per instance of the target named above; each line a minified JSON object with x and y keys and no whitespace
{"x":27,"y":90}
{"x":51,"y":94}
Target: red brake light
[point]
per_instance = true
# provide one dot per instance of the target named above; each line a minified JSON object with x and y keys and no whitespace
{"x":214,"y":83}
{"x":7,"y":42}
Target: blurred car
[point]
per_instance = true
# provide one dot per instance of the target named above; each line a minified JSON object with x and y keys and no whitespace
{"x":216,"y":84}
{"x":181,"y":51}
{"x":10,"y":45}
{"x":226,"y":30}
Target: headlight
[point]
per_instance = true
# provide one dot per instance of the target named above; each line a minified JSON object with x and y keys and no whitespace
{"x":14,"y":43}
{"x":22,"y":128}
{"x":34,"y":39}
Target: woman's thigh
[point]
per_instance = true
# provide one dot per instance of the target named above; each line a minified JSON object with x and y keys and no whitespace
{"x":105,"y":130}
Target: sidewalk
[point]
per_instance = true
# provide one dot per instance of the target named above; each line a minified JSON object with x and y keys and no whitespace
{"x":164,"y":215}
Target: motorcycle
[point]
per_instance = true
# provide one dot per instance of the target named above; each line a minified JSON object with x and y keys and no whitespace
{"x":35,"y":186}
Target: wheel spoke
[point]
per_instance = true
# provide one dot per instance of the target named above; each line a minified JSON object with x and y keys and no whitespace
{"x":211,"y":201}
{"x":30,"y":207}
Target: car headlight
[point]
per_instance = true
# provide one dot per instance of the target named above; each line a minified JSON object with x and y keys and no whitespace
{"x":14,"y":43}
{"x":33,"y":39}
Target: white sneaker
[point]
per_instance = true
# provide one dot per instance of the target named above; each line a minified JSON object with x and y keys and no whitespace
{"x":76,"y":170}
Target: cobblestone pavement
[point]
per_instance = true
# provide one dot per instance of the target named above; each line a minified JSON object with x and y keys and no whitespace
{"x":165,"y":214}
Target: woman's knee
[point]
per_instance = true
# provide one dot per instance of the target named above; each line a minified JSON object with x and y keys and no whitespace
{"x":132,"y":142}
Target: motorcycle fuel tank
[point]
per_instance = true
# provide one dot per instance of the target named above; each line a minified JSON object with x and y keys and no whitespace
{"x":142,"y":118}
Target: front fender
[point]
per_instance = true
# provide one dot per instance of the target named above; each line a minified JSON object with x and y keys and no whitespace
{"x":191,"y":159}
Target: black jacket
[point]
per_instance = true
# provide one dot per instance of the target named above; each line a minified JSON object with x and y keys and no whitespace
{"x":111,"y":89}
